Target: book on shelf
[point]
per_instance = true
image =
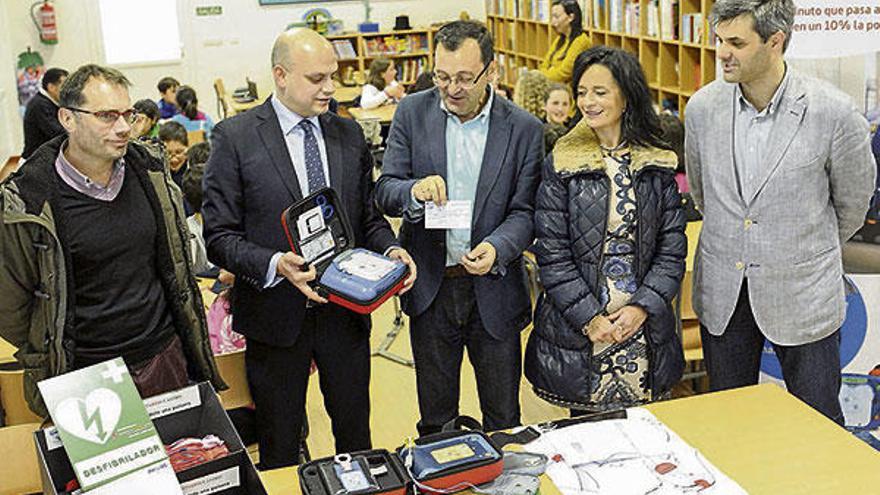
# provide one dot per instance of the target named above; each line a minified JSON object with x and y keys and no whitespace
{"x":408,"y":70}
{"x":344,"y":49}
{"x":535,"y":10}
{"x":396,"y":45}
{"x":633,"y":18}
{"x":616,"y":10}
{"x":653,"y":19}
{"x":623,"y":16}
{"x":598,"y":10}
{"x":692,"y":28}
{"x":502,"y":67}
{"x":508,"y":8}
{"x":669,"y":19}
{"x":543,"y":11}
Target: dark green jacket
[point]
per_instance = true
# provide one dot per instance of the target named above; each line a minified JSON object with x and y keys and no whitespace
{"x":36,"y":284}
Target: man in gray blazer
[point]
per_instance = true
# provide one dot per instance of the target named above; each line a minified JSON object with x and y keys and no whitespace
{"x":463,"y":143}
{"x":780,"y":166}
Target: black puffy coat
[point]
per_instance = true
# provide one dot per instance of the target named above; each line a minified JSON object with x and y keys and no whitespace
{"x":570,"y":224}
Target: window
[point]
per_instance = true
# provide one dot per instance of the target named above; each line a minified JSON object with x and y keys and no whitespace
{"x":136,"y":31}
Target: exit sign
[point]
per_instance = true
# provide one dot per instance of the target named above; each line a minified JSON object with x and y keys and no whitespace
{"x":209,"y":10}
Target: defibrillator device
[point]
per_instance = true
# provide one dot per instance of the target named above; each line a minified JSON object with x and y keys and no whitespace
{"x":442,"y":463}
{"x":355,"y":278}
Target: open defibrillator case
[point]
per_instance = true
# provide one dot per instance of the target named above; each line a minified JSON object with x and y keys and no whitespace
{"x":355,"y":278}
{"x":441,"y":463}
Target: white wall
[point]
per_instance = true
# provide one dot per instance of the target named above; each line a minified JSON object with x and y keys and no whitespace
{"x":11,"y":135}
{"x":231,"y":46}
{"x":847,"y":73}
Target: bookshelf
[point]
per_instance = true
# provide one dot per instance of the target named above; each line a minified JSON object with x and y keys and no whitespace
{"x":412,"y":51}
{"x":672,"y":39}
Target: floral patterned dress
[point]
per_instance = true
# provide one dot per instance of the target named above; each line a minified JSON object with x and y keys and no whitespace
{"x":620,"y":371}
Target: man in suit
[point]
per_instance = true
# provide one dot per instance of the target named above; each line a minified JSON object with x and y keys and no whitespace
{"x":41,"y":116}
{"x":461,"y":142}
{"x":262,"y":162}
{"x":780,"y":166}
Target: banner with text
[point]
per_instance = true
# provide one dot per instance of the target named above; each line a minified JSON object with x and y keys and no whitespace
{"x":835,"y":28}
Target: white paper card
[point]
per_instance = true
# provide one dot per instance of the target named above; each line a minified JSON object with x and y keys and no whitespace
{"x":53,"y":439}
{"x":452,"y":215}
{"x":310,"y":223}
{"x":158,"y":478}
{"x":212,"y":483}
{"x":172,"y":402}
{"x":314,"y":249}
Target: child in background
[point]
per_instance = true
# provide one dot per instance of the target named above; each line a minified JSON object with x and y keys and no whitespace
{"x":530,"y":92}
{"x":146,"y":125}
{"x":223,"y":338}
{"x":382,"y":87}
{"x":176,"y":142}
{"x":167,"y":103}
{"x":190,"y":117}
{"x":423,"y":82}
{"x":196,"y":157}
{"x":557,"y":106}
{"x":673,"y":134}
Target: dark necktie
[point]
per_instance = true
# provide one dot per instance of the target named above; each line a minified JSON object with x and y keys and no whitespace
{"x":314,"y":167}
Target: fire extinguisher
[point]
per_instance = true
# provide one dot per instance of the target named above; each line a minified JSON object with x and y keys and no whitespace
{"x":44,"y":19}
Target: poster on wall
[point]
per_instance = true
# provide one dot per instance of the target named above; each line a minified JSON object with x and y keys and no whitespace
{"x":28,"y":72}
{"x":835,"y":28}
{"x":859,"y":359}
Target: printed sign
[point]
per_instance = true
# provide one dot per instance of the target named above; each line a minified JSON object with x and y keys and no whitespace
{"x":102,"y":423}
{"x":859,"y":359}
{"x":835,"y":28}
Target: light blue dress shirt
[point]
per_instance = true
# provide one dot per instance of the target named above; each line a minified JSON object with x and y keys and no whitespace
{"x":293,"y":138}
{"x":465,"y":147}
{"x":751,"y":137}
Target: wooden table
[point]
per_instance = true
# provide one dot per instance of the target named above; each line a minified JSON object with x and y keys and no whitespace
{"x":762,"y":437}
{"x":239,"y":107}
{"x":346,"y":94}
{"x":384,"y":113}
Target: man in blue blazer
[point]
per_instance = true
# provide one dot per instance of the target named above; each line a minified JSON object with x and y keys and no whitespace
{"x":460,"y":142}
{"x":262,"y":162}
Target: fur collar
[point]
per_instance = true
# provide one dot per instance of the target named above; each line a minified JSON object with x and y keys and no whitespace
{"x":579,"y":151}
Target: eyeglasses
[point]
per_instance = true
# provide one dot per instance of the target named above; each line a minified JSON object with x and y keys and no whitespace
{"x":463,"y":82}
{"x":109,"y":116}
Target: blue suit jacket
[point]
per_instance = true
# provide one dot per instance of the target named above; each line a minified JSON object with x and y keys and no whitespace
{"x":249,"y":181}
{"x":503,"y":212}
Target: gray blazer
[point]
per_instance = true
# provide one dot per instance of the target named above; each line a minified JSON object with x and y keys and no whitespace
{"x":811,"y":196}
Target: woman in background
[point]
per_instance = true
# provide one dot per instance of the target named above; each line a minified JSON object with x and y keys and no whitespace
{"x":567,"y":20}
{"x":382,"y":87}
{"x":190,"y":116}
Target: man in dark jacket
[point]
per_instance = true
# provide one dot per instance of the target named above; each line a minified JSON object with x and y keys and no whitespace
{"x":460,"y":141}
{"x":41,"y":117}
{"x":94,"y":249}
{"x":263,"y":161}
